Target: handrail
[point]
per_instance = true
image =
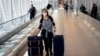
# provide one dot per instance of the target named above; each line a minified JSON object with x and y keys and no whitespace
{"x":13,"y":19}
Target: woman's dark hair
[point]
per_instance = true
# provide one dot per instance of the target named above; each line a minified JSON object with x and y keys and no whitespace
{"x":45,"y":11}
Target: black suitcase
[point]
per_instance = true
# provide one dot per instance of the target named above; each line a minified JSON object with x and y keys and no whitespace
{"x":35,"y":46}
{"x":58,"y":41}
{"x":35,"y":51}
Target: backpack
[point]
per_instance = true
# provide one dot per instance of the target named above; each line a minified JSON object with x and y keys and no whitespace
{"x":33,"y":10}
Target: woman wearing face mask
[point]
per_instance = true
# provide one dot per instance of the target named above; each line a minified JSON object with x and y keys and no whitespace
{"x":46,"y":26}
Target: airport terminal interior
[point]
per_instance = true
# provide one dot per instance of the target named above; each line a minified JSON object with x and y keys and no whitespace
{"x":78,"y":21}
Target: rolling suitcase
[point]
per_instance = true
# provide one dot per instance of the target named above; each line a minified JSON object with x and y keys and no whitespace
{"x":35,"y":46}
{"x":58,"y":41}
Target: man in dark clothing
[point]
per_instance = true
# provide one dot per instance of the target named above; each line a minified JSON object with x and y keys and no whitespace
{"x":83,"y":9}
{"x":66,"y":6}
{"x":32,"y":12}
{"x":94,"y":11}
{"x":49,"y":6}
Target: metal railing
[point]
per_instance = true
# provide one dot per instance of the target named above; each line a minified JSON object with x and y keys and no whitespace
{"x":14,"y":23}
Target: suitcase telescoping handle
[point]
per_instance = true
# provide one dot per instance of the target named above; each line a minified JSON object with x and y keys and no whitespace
{"x":54,"y":31}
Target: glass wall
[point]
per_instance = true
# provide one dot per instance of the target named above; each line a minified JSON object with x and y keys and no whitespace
{"x":10,"y":9}
{"x":39,"y":4}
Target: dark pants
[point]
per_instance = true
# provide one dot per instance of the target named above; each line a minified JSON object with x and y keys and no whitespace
{"x":31,"y":16}
{"x":47,"y":41}
{"x":94,"y":14}
{"x":48,"y":44}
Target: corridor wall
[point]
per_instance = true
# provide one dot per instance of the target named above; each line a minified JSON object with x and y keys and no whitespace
{"x":10,"y":9}
{"x":88,"y":4}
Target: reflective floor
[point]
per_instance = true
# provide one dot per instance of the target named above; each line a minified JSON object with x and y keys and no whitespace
{"x":79,"y":39}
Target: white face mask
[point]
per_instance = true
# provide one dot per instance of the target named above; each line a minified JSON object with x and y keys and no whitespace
{"x":44,"y":14}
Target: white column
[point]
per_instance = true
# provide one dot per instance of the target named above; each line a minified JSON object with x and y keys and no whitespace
{"x":75,"y":6}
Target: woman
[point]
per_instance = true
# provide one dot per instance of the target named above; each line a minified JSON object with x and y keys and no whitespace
{"x":46,"y":26}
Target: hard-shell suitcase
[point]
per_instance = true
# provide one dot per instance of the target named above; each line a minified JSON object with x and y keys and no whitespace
{"x":35,"y":41}
{"x":35,"y":51}
{"x":35,"y":46}
{"x":58,"y":41}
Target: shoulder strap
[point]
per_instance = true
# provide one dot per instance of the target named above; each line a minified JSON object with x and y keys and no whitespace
{"x":41,"y":20}
{"x":49,"y":18}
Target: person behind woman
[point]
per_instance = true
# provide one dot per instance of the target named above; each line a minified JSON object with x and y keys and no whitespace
{"x":94,"y":11}
{"x":46,"y":26}
{"x":32,"y":12}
